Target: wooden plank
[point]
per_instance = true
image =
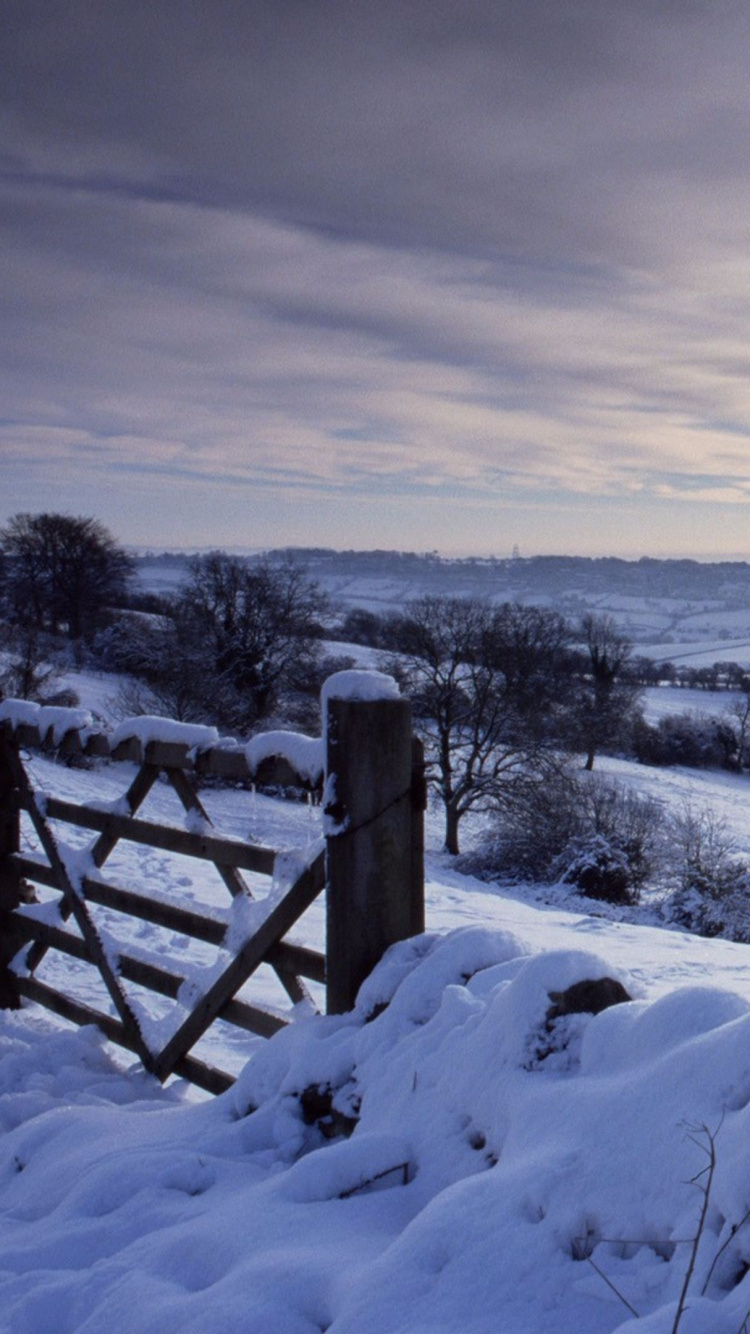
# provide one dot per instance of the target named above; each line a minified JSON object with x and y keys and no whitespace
{"x":299,"y":959}
{"x":302,"y":893}
{"x":75,"y":1011}
{"x":224,"y":851}
{"x":250,"y":1018}
{"x":203,"y":1076}
{"x":192,"y":802}
{"x":294,"y":988}
{"x":54,"y":938}
{"x":418,"y":808}
{"x":167,"y":754}
{"x":189,"y":1067}
{"x":134,"y":798}
{"x":183,"y":921}
{"x":80,"y":911}
{"x":10,"y":887}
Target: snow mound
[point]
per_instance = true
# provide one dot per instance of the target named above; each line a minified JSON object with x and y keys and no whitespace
{"x":149,"y":728}
{"x":23,"y":712}
{"x":448,"y":1156}
{"x":363,"y":684}
{"x":305,"y":754}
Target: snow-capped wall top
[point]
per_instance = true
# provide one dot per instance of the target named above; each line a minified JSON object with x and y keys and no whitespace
{"x":362,"y":685}
{"x":305,"y":754}
{"x":62,"y":720}
{"x":18,"y":712}
{"x":149,"y":728}
{"x":22,"y":712}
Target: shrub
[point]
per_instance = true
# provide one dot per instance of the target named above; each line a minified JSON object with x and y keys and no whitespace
{"x":526,"y":841}
{"x":27,"y":669}
{"x":600,"y":870}
{"x":711,"y":884}
{"x":697,"y":741}
{"x":581,"y":829}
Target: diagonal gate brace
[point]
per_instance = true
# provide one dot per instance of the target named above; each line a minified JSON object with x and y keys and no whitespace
{"x":76,"y":906}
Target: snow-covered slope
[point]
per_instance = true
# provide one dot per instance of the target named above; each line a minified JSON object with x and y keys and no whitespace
{"x":511,"y":1168}
{"x":508,"y":1171}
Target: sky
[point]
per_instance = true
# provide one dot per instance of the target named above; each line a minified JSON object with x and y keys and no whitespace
{"x":410,"y":274}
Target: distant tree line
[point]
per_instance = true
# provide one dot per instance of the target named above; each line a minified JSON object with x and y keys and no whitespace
{"x":716,"y":676}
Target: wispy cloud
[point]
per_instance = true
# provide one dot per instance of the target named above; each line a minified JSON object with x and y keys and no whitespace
{"x":377,"y":257}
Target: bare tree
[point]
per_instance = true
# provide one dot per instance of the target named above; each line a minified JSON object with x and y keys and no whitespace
{"x":256,"y":626}
{"x":61,"y":572}
{"x":26,"y":671}
{"x":607,"y":696}
{"x":531,"y":647}
{"x":738,"y":718}
{"x":481,"y":743}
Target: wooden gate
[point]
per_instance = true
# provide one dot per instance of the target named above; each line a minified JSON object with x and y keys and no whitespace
{"x":371,"y":862}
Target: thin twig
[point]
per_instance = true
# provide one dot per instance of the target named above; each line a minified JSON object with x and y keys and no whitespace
{"x":615,"y":1290}
{"x":378,"y":1176}
{"x":708,"y":1172}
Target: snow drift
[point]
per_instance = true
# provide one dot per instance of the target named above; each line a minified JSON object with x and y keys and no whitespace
{"x":455,"y":1154}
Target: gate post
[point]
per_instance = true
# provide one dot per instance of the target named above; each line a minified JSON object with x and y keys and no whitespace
{"x":10,"y":892}
{"x":373,"y":826}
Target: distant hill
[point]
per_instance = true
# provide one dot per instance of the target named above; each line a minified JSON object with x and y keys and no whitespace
{"x":656,"y":601}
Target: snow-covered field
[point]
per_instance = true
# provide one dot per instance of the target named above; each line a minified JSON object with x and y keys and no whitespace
{"x":662,"y":701}
{"x":512,"y":1168}
{"x":714,"y":620}
{"x":694,"y":653}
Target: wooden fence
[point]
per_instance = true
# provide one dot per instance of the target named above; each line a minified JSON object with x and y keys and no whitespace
{"x":370,"y":863}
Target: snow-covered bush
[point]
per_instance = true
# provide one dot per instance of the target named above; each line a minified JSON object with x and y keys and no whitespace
{"x":705,"y":849}
{"x":600,"y":870}
{"x":28,"y":669}
{"x":711,"y":893}
{"x":526,"y":841}
{"x":583,"y":829}
{"x":630,"y":822}
{"x":707,"y":915}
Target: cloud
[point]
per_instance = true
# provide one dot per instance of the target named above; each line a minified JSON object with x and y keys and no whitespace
{"x":391,"y":251}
